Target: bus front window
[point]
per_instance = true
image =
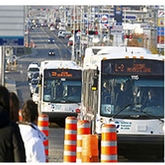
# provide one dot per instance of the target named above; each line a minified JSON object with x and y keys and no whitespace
{"x":128,"y":96}
{"x":62,"y":91}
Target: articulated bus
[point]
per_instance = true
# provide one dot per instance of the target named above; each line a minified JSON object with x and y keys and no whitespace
{"x":59,"y":88}
{"x":117,"y":87}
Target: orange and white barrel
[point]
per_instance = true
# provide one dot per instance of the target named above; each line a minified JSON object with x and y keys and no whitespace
{"x":109,"y":143}
{"x":90,"y":151}
{"x":83,"y":128}
{"x":43,"y":125}
{"x":70,"y":139}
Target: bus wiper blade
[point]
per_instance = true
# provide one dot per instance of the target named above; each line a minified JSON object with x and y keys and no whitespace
{"x":151,"y":116}
{"x":56,"y":99}
{"x":121,"y":110}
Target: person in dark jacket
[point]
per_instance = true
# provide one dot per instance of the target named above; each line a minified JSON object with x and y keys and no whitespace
{"x":11,"y":144}
{"x":14,"y":107}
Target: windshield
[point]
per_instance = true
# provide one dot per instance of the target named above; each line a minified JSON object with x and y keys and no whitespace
{"x":62,"y":91}
{"x":138,"y":97}
{"x":33,"y":69}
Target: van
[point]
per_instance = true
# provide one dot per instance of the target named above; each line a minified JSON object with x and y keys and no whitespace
{"x":64,"y":34}
{"x":32,"y":69}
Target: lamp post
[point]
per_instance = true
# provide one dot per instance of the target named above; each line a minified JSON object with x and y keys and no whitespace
{"x":73,"y":54}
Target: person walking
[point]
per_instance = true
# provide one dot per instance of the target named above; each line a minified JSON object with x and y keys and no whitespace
{"x":33,"y":138}
{"x":11,"y":144}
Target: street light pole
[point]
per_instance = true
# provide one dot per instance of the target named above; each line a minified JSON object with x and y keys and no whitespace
{"x":73,"y":54}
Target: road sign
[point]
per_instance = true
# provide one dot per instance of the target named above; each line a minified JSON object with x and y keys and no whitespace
{"x":12,"y":25}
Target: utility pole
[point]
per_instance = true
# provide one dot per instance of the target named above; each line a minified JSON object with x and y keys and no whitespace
{"x":2,"y":66}
{"x":73,"y":53}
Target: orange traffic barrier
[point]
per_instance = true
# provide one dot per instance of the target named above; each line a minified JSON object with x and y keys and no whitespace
{"x":20,"y":115}
{"x":109,"y":143}
{"x":83,"y":127}
{"x":90,"y":150}
{"x":43,"y":125}
{"x":70,"y":139}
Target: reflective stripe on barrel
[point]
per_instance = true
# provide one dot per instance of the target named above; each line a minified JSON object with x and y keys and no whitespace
{"x":83,"y":127}
{"x":70,"y":139}
{"x":109,"y":143}
{"x":43,"y":125}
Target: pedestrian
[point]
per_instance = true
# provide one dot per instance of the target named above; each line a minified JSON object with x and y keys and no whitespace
{"x":14,"y":107}
{"x":11,"y":144}
{"x":33,"y":138}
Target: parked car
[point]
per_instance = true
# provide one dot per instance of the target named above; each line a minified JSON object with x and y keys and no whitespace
{"x":33,"y":84}
{"x":51,"y":52}
{"x":51,"y":40}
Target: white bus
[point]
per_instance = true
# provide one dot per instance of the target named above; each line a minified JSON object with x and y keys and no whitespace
{"x":58,"y":79}
{"x":116,"y":82}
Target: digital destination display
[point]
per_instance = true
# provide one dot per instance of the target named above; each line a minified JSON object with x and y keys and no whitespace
{"x":62,"y":73}
{"x":133,"y":66}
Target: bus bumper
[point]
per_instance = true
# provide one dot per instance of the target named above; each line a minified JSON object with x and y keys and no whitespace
{"x":59,"y":115}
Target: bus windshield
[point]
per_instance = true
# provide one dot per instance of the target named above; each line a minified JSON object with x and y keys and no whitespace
{"x":61,"y":91}
{"x":132,"y":96}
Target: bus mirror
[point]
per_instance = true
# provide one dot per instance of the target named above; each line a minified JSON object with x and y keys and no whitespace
{"x":40,"y":80}
{"x":95,"y":80}
{"x":95,"y":83}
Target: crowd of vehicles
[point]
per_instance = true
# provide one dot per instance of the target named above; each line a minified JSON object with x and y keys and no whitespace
{"x":116,"y":81}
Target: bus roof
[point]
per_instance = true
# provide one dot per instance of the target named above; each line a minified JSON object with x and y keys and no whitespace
{"x":55,"y":64}
{"x":116,"y":49}
{"x":95,"y":54}
{"x":94,"y":60}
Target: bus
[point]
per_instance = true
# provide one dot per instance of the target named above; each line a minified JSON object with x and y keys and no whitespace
{"x":116,"y":84}
{"x":59,"y":88}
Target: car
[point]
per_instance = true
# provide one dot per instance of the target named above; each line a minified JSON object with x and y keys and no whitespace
{"x":51,"y":40}
{"x":61,"y":34}
{"x":35,"y":75}
{"x":33,"y":84}
{"x":68,"y":35}
{"x":35,"y":96}
{"x":52,"y":28}
{"x":51,"y":52}
{"x":32,"y":69}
